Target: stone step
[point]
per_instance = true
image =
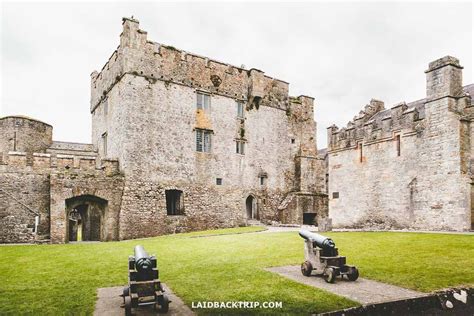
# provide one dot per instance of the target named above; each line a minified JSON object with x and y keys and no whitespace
{"x":254,"y":222}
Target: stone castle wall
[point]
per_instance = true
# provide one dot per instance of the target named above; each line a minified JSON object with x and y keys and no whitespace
{"x":404,"y":167}
{"x":27,"y":188}
{"x":24,"y":134}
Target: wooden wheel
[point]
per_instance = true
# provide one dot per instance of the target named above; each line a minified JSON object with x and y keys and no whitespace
{"x":128,"y":305}
{"x":306,"y":268}
{"x":353,"y":274}
{"x":329,"y":275}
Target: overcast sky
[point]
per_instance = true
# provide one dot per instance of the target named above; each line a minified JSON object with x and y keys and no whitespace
{"x":343,"y":54}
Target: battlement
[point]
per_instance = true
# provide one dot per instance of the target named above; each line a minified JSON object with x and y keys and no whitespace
{"x":44,"y":163}
{"x":375,"y":123}
{"x":138,"y":56}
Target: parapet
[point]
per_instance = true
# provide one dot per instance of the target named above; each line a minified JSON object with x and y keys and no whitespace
{"x":375,"y":122}
{"x":43,"y":163}
{"x":153,"y":61}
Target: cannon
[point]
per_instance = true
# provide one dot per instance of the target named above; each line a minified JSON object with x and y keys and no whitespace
{"x":322,"y":256}
{"x":144,"y":287}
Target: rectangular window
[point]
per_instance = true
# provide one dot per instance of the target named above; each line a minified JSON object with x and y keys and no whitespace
{"x":203,"y":101}
{"x":203,"y":140}
{"x":106,"y":107}
{"x":262,"y":180}
{"x":104,"y":144}
{"x":361,"y":153}
{"x":240,"y":109}
{"x":397,"y":139}
{"x":174,"y":202}
{"x":240,"y":147}
{"x":219,"y":181}
{"x":335,"y":195}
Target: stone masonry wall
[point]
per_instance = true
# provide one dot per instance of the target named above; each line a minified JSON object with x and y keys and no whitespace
{"x":20,"y":133}
{"x":144,"y":101}
{"x":16,"y":221}
{"x":166,"y":153}
{"x":42,"y":182}
{"x":105,"y":183}
{"x":425,"y":184}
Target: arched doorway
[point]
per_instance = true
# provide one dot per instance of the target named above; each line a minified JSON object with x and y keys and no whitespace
{"x":251,"y":207}
{"x":85,"y":215}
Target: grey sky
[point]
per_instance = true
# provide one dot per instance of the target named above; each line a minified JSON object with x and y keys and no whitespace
{"x":343,"y":54}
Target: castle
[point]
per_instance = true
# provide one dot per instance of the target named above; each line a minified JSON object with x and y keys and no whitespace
{"x":180,"y":142}
{"x":410,"y":166}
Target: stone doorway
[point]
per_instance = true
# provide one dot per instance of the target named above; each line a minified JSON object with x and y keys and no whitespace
{"x":85,"y":218}
{"x":251,"y":206}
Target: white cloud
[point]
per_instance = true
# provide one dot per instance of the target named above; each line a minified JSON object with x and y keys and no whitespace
{"x":341,"y":53}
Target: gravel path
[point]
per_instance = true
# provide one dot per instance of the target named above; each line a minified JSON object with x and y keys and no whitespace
{"x":278,"y":229}
{"x":362,"y":290}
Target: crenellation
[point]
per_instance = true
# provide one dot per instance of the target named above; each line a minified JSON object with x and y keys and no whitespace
{"x":407,"y":167}
{"x":177,"y":66}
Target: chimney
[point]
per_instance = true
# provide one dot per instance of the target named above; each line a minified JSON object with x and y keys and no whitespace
{"x":444,"y":78}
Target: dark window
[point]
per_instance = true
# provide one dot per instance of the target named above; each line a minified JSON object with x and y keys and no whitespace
{"x":203,"y":140}
{"x":104,"y":143}
{"x":219,"y":181}
{"x":106,"y":107}
{"x":262,"y":180}
{"x":397,"y":139}
{"x":292,"y":140}
{"x":361,"y":153}
{"x":174,"y":202}
{"x":14,"y":141}
{"x":335,"y":195}
{"x":240,"y":147}
{"x":240,"y":109}
{"x":203,"y":101}
{"x":309,"y":218}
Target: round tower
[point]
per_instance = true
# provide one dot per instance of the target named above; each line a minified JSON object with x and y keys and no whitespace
{"x":21,"y":133}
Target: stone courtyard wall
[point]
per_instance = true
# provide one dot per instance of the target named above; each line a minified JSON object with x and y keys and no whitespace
{"x":40,"y":183}
{"x":426,"y":183}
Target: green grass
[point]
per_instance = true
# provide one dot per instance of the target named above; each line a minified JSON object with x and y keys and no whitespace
{"x":62,"y":279}
{"x":224,"y":231}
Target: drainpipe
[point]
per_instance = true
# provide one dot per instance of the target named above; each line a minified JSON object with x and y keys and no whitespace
{"x":37,"y":221}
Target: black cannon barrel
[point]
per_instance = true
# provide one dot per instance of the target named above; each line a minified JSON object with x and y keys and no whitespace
{"x":320,"y":240}
{"x":142,"y":259}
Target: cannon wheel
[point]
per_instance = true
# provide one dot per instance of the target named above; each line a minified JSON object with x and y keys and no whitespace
{"x":306,"y":268}
{"x":128,"y":305}
{"x":329,"y":275}
{"x":125,"y":293}
{"x":164,"y":304}
{"x":353,"y":274}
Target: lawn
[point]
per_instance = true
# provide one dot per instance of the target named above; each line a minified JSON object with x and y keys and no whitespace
{"x":60,"y":279}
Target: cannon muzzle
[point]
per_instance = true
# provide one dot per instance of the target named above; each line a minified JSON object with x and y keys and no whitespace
{"x":142,"y":259}
{"x":320,"y":240}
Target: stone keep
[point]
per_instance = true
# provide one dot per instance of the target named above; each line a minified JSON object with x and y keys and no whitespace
{"x":146,"y":172}
{"x":145,"y":114}
{"x":409,"y":166}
